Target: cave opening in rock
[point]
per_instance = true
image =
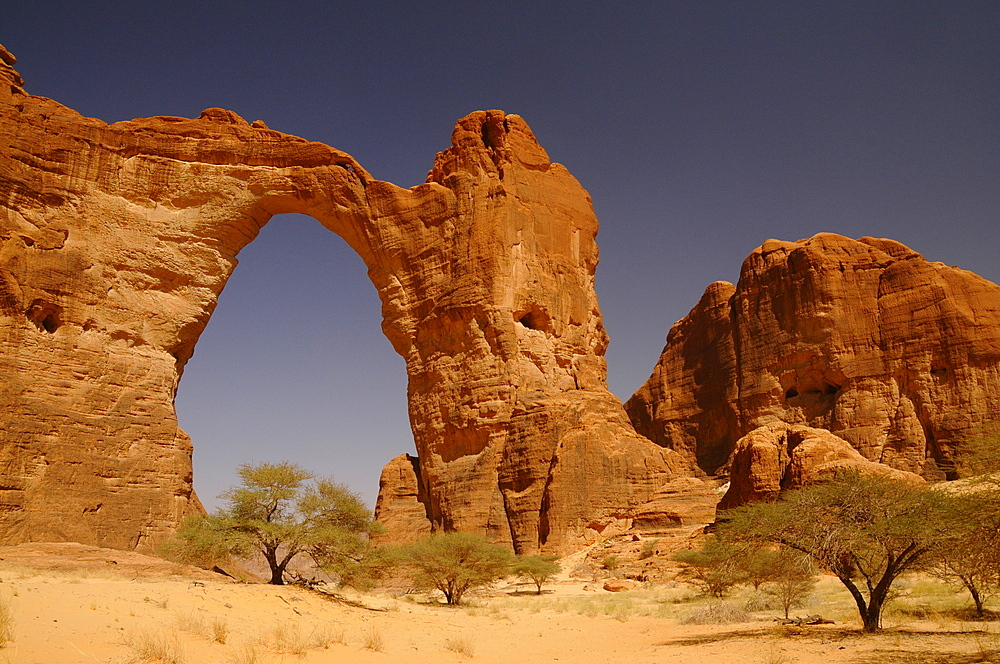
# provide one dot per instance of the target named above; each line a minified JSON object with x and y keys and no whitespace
{"x":293,"y":366}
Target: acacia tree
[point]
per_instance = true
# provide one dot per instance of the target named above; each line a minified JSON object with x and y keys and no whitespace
{"x":866,"y":530}
{"x":793,"y":577}
{"x":456,"y":562}
{"x":716,"y":567}
{"x":281,"y":511}
{"x":538,"y":569}
{"x":970,"y":555}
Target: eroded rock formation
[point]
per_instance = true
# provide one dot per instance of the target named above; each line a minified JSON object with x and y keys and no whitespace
{"x":865,"y":338}
{"x":780,"y":457}
{"x":116,"y":240}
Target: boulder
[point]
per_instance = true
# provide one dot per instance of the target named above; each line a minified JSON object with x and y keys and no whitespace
{"x":620,"y":585}
{"x":778,"y":457}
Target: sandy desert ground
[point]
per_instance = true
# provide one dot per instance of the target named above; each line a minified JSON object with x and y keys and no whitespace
{"x":75,"y":604}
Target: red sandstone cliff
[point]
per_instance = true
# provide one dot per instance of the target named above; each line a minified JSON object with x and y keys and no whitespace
{"x":116,"y":240}
{"x":865,"y":338}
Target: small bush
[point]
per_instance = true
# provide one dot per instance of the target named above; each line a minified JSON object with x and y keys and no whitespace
{"x":715,"y":568}
{"x":456,"y":563}
{"x":648,"y":549}
{"x":610,"y":563}
{"x":538,"y":569}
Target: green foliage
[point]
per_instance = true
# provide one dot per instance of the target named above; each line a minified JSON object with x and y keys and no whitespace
{"x":456,"y":563}
{"x":979,"y":456}
{"x":538,"y":569}
{"x":791,"y":579}
{"x":861,"y":528}
{"x":648,"y":549}
{"x":970,"y":553}
{"x":715,"y":567}
{"x":198,"y":541}
{"x":279,"y":514}
{"x":610,"y":563}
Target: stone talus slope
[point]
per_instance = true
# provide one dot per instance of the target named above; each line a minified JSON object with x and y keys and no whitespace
{"x":865,"y":338}
{"x":116,"y":240}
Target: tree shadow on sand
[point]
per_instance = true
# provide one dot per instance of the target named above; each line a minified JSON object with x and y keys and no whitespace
{"x":890,"y":645}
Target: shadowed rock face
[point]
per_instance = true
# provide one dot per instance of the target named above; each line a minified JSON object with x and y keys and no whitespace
{"x":864,"y":338}
{"x":116,"y":240}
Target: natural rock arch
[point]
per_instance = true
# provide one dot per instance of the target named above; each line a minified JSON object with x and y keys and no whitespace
{"x":117,"y":240}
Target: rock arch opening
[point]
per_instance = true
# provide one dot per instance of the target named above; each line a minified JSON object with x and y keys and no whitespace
{"x":132,"y":231}
{"x":292,"y":365}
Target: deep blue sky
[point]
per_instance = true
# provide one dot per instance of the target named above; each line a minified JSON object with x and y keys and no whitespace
{"x":700,"y":129}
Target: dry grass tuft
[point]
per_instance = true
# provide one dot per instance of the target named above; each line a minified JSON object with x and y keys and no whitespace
{"x":246,"y":653}
{"x":164,"y":648}
{"x":220,"y":630}
{"x":189,"y":622}
{"x":373,"y":640}
{"x":6,"y":623}
{"x":289,"y":638}
{"x":461,"y":645}
{"x":717,"y":613}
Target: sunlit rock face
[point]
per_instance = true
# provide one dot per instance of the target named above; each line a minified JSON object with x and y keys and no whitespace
{"x":116,"y":240}
{"x":865,"y":338}
{"x":780,"y":457}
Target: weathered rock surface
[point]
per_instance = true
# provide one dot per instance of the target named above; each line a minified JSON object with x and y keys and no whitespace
{"x":116,"y":240}
{"x":619,"y":585}
{"x":865,"y":338}
{"x":401,"y":505}
{"x":779,"y":457}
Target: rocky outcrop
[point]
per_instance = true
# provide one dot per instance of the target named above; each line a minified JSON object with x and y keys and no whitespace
{"x":116,"y":240}
{"x":401,"y":504}
{"x":779,"y":457}
{"x":864,"y":338}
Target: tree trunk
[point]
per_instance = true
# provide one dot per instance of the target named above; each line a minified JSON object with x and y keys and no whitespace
{"x":977,"y":599}
{"x":277,"y":570}
{"x":277,"y":576}
{"x":873,"y":617}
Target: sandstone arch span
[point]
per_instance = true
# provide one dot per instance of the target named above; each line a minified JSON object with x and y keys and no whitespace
{"x":117,"y":240}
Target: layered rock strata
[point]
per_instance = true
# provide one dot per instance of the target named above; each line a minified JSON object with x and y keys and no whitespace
{"x":865,"y":338}
{"x":116,"y":240}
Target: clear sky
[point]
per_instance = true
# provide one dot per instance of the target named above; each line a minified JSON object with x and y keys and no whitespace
{"x":701,"y":129}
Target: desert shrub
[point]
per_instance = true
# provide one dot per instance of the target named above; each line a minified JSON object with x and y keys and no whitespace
{"x":456,"y":563}
{"x":281,"y":511}
{"x":538,"y":569}
{"x":461,"y":645}
{"x":648,"y":549}
{"x":793,"y":579}
{"x":715,"y":567}
{"x":610,"y":563}
{"x":373,"y":640}
{"x":866,"y":530}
